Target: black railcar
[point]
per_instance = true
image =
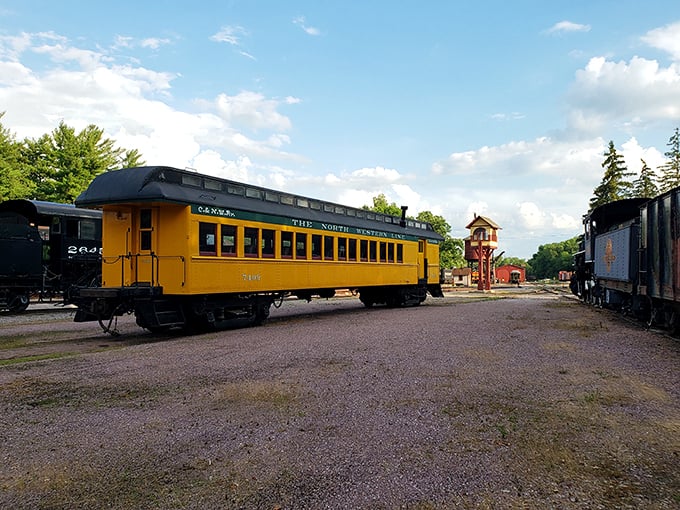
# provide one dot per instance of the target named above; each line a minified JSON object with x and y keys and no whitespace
{"x":660,"y":259}
{"x":45,"y":249}
{"x":607,"y":265}
{"x":629,"y":258}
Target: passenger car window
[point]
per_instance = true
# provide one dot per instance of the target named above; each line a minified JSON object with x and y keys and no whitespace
{"x":206,"y":238}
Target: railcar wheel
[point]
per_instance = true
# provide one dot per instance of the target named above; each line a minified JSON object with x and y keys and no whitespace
{"x":654,"y":314}
{"x":18,"y":303}
{"x":367,"y":302}
{"x":261,"y":314}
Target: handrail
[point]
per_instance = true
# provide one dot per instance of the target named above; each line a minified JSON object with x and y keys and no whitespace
{"x":155,"y":266}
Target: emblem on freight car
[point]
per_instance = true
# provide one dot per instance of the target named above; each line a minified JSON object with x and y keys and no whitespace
{"x":609,"y":256}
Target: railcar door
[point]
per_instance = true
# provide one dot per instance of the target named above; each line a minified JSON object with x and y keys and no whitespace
{"x":144,"y":261}
{"x":422,"y":261}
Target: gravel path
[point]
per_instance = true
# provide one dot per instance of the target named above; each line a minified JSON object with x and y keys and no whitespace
{"x":534,"y":401}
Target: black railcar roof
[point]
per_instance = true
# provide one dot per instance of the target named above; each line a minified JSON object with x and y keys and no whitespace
{"x":167,"y":184}
{"x":32,"y":209}
{"x":615,"y":213}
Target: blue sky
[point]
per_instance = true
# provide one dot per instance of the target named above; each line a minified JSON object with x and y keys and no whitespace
{"x":496,"y":108}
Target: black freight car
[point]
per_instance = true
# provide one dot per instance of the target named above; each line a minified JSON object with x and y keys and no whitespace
{"x":660,"y":259}
{"x":629,"y":258}
{"x":607,"y":267}
{"x":45,"y":249}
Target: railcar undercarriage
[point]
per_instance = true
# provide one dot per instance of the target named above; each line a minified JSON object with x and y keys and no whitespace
{"x":393,"y":296}
{"x":157,"y":312}
{"x":14,"y":300}
{"x":653,"y":312}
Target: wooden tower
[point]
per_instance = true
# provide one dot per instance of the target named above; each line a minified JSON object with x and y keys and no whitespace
{"x":479,"y":248}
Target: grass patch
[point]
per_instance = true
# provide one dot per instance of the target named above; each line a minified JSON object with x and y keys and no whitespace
{"x":44,"y":393}
{"x":259,"y":393}
{"x":13,"y":342}
{"x":35,"y":357}
{"x":581,"y":326}
{"x":591,"y":444}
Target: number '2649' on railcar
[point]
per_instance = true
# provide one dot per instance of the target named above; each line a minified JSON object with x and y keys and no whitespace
{"x":46,"y":248}
{"x":182,"y":249}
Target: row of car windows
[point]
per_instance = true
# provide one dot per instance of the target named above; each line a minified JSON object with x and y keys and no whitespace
{"x":226,"y":240}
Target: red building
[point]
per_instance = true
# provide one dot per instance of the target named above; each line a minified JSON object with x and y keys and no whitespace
{"x":510,"y":273}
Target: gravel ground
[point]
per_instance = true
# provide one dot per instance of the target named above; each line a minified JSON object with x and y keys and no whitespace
{"x":529,"y":401}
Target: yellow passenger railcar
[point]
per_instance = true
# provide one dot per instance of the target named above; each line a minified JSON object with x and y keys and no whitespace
{"x":184,"y":249}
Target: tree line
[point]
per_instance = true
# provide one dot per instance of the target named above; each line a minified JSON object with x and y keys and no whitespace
{"x":59,"y":165}
{"x":615,"y":184}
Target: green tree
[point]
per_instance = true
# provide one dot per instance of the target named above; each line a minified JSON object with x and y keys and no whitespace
{"x":614,"y":185}
{"x":131,"y":159}
{"x":645,"y":185}
{"x":553,"y":258}
{"x":382,"y":206}
{"x":451,"y":251}
{"x":14,"y":180}
{"x":62,"y":164}
{"x":515,"y":261}
{"x":439,"y":224}
{"x":670,"y":171}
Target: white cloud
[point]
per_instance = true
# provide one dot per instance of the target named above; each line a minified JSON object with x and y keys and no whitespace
{"x":230,"y":35}
{"x":253,"y":110}
{"x":132,"y":104}
{"x":565,"y":222}
{"x":552,"y":176}
{"x":405,"y":195}
{"x":123,"y":41}
{"x":376,"y":175}
{"x":14,"y":74}
{"x":247,"y":55}
{"x":633,"y":153}
{"x":210,"y":162}
{"x":665,"y":38}
{"x":154,"y":42}
{"x":128,"y":42}
{"x":567,"y":27}
{"x":301,"y":22}
{"x":543,"y":157}
{"x":12,"y":47}
{"x":623,"y":94}
{"x":507,"y":116}
{"x":530,"y":215}
{"x":474,"y":209}
{"x":62,"y":53}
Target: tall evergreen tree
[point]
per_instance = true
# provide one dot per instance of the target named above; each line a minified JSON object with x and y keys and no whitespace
{"x":614,"y":185}
{"x":645,"y":185}
{"x":670,"y":171}
{"x":130,"y":159}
